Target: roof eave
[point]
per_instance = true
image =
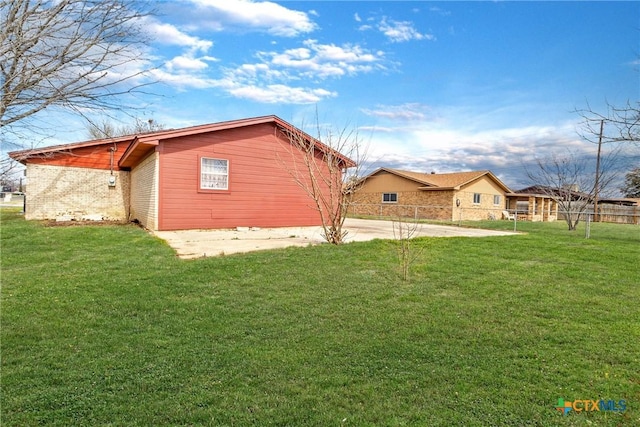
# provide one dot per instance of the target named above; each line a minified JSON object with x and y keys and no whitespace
{"x":542,"y":196}
{"x":129,"y":157}
{"x":438,"y":188}
{"x":288,"y":127}
{"x":401,"y":174}
{"x":23,"y":155}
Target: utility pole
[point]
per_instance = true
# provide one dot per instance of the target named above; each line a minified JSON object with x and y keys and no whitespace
{"x":597,"y":183}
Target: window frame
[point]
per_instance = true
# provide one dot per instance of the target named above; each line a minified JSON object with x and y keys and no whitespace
{"x":391,"y":196}
{"x":477,"y":198}
{"x":202,"y":189}
{"x":497,"y":197}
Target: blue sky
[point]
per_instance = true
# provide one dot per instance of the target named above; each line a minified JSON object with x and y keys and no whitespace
{"x":430,"y":86}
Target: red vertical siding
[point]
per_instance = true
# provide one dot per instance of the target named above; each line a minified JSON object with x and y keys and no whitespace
{"x":261,"y":191}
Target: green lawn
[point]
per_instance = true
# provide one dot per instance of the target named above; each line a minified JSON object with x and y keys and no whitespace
{"x":103,"y":325}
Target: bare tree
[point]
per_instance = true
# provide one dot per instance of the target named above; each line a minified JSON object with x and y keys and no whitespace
{"x":327,"y":163}
{"x":10,"y":174}
{"x":570,"y":181}
{"x":403,"y":232}
{"x":107,"y":129}
{"x":621,"y":124}
{"x":617,"y":126}
{"x":82,"y":55}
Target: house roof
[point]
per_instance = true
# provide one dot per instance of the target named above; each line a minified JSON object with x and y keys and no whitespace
{"x":443,"y":181}
{"x":23,"y":155}
{"x":142,"y":144}
{"x":622,"y":201}
{"x":543,"y":190}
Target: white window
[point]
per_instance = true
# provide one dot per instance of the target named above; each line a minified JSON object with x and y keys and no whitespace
{"x":389,"y":197}
{"x":496,"y":199}
{"x":476,"y":198}
{"x":214,"y":174}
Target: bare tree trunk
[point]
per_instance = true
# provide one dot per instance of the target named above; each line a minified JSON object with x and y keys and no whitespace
{"x":403,"y":232}
{"x":570,"y":182}
{"x":322,"y":170}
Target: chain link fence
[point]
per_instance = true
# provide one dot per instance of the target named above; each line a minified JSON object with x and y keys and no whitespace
{"x":431,"y":213}
{"x":606,"y":213}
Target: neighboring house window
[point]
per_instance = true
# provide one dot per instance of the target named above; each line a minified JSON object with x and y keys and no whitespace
{"x":214,"y":174}
{"x":496,"y":200}
{"x":389,"y":197}
{"x":476,"y":198}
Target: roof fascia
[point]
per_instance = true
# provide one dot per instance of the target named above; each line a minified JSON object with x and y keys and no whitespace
{"x":492,"y":176}
{"x":153,"y":139}
{"x":135,"y":144}
{"x":402,"y":175}
{"x":288,"y":127}
{"x":499,"y":182}
{"x":23,"y":155}
{"x":539,"y":196}
{"x":437,"y":188}
{"x":175,"y":133}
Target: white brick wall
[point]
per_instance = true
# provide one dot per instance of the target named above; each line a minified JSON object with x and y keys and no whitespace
{"x":75,"y":193}
{"x":144,"y":192}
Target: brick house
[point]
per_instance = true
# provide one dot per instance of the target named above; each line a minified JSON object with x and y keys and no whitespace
{"x":220,"y":175}
{"x":472,"y":195}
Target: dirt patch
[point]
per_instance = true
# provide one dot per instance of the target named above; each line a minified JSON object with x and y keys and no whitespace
{"x":74,"y":223}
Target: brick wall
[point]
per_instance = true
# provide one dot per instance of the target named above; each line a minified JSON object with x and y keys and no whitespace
{"x":144,"y":192}
{"x":435,"y":205}
{"x":431,"y":204}
{"x":470,"y":211}
{"x":75,"y":193}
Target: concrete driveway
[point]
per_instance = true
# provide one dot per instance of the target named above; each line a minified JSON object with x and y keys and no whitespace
{"x":204,"y":243}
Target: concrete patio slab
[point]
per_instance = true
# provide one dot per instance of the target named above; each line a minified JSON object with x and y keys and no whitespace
{"x":205,"y":243}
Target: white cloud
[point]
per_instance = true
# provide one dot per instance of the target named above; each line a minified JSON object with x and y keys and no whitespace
{"x":257,"y":15}
{"x":316,"y":60}
{"x":505,"y":151}
{"x":276,"y":76}
{"x":404,"y":112}
{"x":401,"y":31}
{"x":183,"y":69}
{"x":255,"y":72}
{"x":184,"y":80}
{"x":185,"y":62}
{"x":272,"y":94}
{"x":170,"y":35}
{"x":270,"y":81}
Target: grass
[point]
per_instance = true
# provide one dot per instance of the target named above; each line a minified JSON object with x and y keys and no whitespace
{"x":103,"y":325}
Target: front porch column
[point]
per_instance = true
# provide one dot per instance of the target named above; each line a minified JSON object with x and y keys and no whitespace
{"x":532,"y":208}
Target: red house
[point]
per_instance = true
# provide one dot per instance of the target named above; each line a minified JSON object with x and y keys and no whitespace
{"x":220,"y":175}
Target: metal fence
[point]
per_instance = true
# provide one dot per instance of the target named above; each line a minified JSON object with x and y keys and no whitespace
{"x":427,"y":212}
{"x":606,"y":213}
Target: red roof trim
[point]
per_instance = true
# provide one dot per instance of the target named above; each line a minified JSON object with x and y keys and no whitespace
{"x":155,"y":137}
{"x":143,"y":141}
{"x":23,"y":155}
